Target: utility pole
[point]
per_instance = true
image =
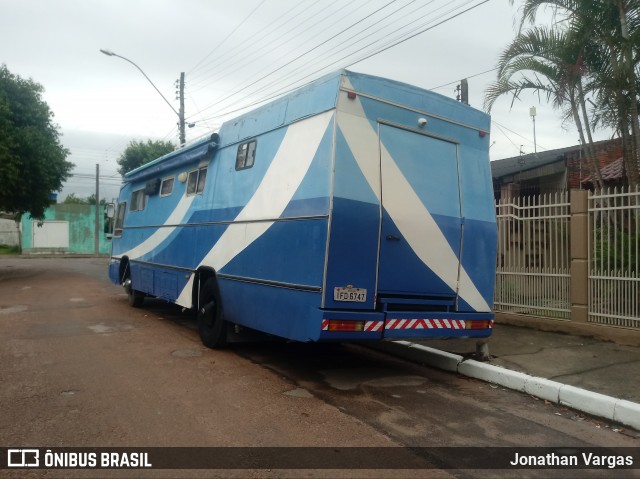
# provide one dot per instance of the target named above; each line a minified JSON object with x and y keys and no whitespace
{"x":96,"y":243}
{"x":181,"y":111}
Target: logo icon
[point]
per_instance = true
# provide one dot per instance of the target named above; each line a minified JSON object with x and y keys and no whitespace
{"x":23,"y":458}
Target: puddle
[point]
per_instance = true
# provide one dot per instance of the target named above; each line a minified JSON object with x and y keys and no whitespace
{"x":187,"y":353}
{"x":13,"y":309}
{"x":348,"y":379}
{"x":298,"y":393}
{"x":102,"y":328}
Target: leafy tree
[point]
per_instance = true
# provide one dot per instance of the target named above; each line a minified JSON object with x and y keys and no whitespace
{"x":138,"y":153}
{"x":602,"y":39}
{"x":549,"y":62}
{"x":72,"y":199}
{"x":32,"y":160}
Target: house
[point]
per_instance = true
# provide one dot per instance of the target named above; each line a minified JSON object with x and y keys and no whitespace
{"x":554,"y":170}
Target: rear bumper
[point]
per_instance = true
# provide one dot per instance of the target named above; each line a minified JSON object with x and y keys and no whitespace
{"x":405,"y":325}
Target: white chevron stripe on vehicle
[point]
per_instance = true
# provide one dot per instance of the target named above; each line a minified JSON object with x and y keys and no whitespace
{"x":279,"y":184}
{"x":176,"y":217}
{"x":436,"y":253}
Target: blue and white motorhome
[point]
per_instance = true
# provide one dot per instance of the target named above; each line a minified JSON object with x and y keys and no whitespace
{"x":355,"y":208}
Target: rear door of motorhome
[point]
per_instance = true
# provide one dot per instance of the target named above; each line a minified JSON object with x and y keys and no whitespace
{"x":421,"y":231}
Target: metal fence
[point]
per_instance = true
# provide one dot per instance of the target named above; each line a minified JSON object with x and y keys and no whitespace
{"x":614,"y":282}
{"x":533,"y":271}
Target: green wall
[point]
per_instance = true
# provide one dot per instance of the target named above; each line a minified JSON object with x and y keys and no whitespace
{"x":81,"y":220}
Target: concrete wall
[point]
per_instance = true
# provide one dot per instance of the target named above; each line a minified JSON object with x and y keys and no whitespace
{"x":9,"y":233}
{"x":81,"y":230}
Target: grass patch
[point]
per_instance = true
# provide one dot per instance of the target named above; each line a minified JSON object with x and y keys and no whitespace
{"x":5,"y":249}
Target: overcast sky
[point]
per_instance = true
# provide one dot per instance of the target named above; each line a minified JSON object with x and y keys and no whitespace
{"x":237,"y":53}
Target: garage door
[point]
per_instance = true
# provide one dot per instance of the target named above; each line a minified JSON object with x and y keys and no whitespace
{"x":51,"y":234}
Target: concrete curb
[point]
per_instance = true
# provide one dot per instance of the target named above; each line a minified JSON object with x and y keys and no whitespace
{"x":618,"y":410}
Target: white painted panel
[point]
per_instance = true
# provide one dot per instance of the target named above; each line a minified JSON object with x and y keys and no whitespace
{"x":52,"y":234}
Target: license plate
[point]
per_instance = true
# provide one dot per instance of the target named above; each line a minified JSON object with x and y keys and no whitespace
{"x":356,"y":295}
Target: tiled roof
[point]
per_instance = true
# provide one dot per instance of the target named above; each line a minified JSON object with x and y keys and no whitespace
{"x":612,"y":171}
{"x":519,"y":164}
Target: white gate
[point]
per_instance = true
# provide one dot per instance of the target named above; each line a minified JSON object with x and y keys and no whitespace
{"x":614,"y":273}
{"x":533,"y":271}
{"x":50,"y":234}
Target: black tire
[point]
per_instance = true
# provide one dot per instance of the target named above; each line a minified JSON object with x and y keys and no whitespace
{"x":211,"y":323}
{"x":136,"y":298}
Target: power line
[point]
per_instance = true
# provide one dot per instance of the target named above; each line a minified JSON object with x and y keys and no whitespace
{"x":466,"y":76}
{"x":349,"y":45}
{"x":253,"y":39}
{"x":227,"y":37}
{"x":298,"y":57}
{"x":246,"y":60}
{"x":394,"y":42}
{"x":517,"y":134}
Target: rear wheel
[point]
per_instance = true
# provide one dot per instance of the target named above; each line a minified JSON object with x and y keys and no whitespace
{"x":211,"y":323}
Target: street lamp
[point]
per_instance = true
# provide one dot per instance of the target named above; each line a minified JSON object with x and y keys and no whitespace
{"x":180,"y":113}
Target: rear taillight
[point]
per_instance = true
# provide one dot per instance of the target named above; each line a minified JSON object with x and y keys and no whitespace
{"x":346,"y":326}
{"x":477,"y":324}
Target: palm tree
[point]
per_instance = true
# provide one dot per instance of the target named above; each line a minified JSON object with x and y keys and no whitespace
{"x":610,"y":33}
{"x":549,"y":62}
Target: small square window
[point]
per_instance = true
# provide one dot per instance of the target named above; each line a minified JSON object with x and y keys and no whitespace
{"x":166,"y":187}
{"x":246,"y":155}
{"x":138,"y":200}
{"x":192,"y":182}
{"x":196,"y":181}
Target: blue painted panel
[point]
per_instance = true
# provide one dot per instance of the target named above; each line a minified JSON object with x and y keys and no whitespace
{"x":166,"y":285}
{"x":353,"y":251}
{"x":314,"y":98}
{"x":355,"y":228}
{"x":288,"y":313}
{"x":233,"y":189}
{"x":475,"y":180}
{"x":114,"y":271}
{"x":290,"y":252}
{"x":317,"y":181}
{"x":429,"y":165}
{"x":401,"y":271}
{"x":349,"y":182}
{"x":436,"y":333}
{"x":479,"y":258}
{"x":419,"y":98}
{"x":186,"y":246}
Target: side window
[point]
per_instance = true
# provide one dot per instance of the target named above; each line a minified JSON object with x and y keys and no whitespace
{"x":196,"y":181}
{"x":202,"y":178}
{"x":166,"y":187}
{"x":246,"y":155}
{"x":138,"y":200}
{"x":119,"y":224}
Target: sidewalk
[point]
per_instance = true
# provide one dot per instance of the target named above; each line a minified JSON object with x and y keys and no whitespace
{"x":598,"y":377}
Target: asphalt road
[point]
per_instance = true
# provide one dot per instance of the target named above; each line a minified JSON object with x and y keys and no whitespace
{"x":81,"y":368}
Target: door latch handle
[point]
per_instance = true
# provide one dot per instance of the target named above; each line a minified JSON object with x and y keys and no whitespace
{"x":393,"y":238}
